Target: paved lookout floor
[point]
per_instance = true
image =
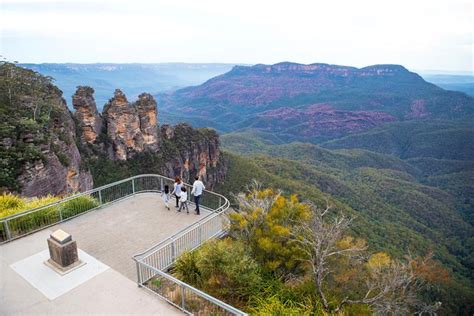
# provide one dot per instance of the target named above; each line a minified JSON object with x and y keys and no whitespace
{"x":112,"y":235}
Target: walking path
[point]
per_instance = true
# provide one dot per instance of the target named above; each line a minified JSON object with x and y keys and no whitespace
{"x":111,"y":235}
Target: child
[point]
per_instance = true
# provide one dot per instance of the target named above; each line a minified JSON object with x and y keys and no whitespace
{"x":166,"y":196}
{"x":184,"y":200}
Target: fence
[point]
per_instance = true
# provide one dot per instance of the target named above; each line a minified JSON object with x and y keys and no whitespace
{"x":21,"y":224}
{"x":152,"y":263}
{"x":185,"y":297}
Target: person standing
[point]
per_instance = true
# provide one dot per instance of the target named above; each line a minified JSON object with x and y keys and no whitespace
{"x":183,"y":199}
{"x":177,"y":189}
{"x":166,"y":196}
{"x":198,"y":188}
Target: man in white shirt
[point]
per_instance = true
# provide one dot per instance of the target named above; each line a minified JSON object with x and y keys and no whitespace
{"x":198,"y":187}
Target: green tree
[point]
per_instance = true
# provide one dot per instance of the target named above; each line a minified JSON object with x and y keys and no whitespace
{"x":29,"y":103}
{"x":386,"y":286}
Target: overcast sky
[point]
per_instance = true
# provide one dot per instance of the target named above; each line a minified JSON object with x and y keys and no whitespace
{"x":420,"y":34}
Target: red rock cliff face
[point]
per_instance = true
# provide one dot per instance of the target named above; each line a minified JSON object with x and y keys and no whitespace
{"x":61,"y":172}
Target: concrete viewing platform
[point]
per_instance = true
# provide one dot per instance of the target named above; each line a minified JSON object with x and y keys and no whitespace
{"x":110,"y":236}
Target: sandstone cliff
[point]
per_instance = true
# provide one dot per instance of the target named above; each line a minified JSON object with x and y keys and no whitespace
{"x":360,"y":99}
{"x":130,"y":130}
{"x":61,"y":171}
{"x":189,"y":152}
{"x":38,"y":152}
{"x":147,"y":115}
{"x":123,"y":127}
{"x":90,"y":121}
{"x":45,"y":149}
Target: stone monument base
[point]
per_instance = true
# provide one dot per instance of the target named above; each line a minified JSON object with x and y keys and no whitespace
{"x":64,"y":270}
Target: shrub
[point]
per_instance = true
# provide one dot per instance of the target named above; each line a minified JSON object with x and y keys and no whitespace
{"x":277,"y":307}
{"x":11,"y":204}
{"x":63,"y":159}
{"x":78,"y":205}
{"x":265,"y":222}
{"x":222,"y":268}
{"x":186,"y":268}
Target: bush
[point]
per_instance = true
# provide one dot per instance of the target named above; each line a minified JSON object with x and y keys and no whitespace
{"x":78,"y":205}
{"x":222,"y":268}
{"x":11,"y":204}
{"x":275,"y":306}
{"x":63,"y":159}
{"x":34,"y":221}
{"x":186,"y":268}
{"x":264,"y":222}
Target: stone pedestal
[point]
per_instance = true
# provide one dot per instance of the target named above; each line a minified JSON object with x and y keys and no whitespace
{"x":63,"y":252}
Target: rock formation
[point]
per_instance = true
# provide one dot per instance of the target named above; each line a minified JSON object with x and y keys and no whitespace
{"x":90,"y":121}
{"x":360,"y":98}
{"x":42,"y":154}
{"x":147,"y":115}
{"x":320,"y":120}
{"x":131,"y":129}
{"x":192,"y":152}
{"x":123,"y":127}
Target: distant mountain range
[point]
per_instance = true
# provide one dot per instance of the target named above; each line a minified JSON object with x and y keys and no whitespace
{"x":315,"y":102}
{"x":133,"y":79}
{"x":463,"y":83}
{"x":158,"y":78}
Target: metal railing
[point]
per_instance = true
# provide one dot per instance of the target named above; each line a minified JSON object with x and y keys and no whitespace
{"x":153,"y":262}
{"x":183,"y":296}
{"x":30,"y":221}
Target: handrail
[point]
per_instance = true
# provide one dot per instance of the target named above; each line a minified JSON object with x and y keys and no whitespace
{"x":101,"y":197}
{"x":89,"y":192}
{"x":196,"y":291}
{"x":154,"y":261}
{"x":187,"y":229}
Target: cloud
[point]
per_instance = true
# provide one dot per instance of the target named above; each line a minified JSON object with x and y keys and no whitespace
{"x":345,"y":32}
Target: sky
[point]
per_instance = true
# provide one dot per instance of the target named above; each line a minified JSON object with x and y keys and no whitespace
{"x":419,"y":34}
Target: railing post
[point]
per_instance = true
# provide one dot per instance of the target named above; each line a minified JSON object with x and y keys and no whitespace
{"x":133,"y":186}
{"x":173,"y":252}
{"x":100,"y":197}
{"x":60,"y":213}
{"x":139,"y":276}
{"x":7,"y":230}
{"x":161,"y":185}
{"x":220,"y":202}
{"x":183,"y":300}
{"x":200,"y":234}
